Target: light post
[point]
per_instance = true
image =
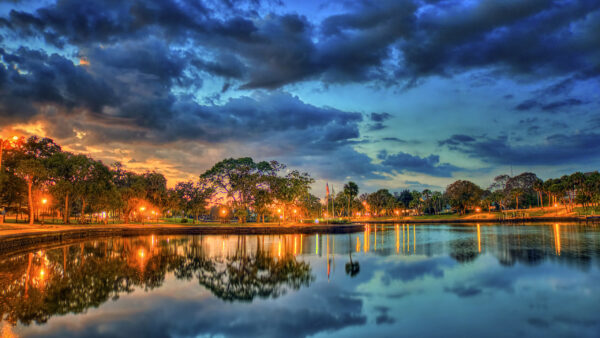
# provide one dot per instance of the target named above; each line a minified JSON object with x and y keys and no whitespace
{"x":142,"y":213}
{"x":295,"y":212}
{"x":279,"y":212}
{"x":44,"y":201}
{"x":223,"y":214}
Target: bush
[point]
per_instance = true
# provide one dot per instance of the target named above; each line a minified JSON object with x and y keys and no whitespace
{"x":184,"y":220}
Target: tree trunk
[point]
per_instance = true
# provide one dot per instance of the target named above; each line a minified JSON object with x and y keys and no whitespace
{"x":66,"y":213}
{"x":30,"y":201}
{"x":82,"y":218}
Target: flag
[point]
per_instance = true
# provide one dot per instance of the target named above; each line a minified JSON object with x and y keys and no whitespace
{"x":327,"y":188}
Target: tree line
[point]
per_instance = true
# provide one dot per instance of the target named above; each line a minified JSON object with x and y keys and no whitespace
{"x":522,"y":191}
{"x":38,"y":178}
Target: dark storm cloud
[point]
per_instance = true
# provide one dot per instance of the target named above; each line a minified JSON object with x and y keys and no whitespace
{"x":430,"y":165}
{"x":378,"y":120}
{"x":554,"y":149}
{"x":32,"y":78}
{"x":150,"y":61}
{"x":551,"y":106}
{"x":385,"y":41}
{"x":457,"y":139}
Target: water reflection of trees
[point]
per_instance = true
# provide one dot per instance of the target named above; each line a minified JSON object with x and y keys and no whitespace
{"x":71,"y":279}
{"x":577,"y":245}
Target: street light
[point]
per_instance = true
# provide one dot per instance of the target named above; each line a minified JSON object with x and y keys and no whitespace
{"x":142,"y":213}
{"x":279,"y":212}
{"x":44,"y":201}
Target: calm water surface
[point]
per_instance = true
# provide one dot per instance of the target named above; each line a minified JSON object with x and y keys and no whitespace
{"x":424,"y":280}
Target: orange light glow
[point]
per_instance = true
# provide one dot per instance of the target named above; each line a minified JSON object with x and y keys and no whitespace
{"x":83,"y":62}
{"x":479,"y":237}
{"x":557,"y":239}
{"x":44,"y":200}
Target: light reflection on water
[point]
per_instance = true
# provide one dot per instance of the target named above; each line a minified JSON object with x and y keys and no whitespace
{"x":426,"y":280}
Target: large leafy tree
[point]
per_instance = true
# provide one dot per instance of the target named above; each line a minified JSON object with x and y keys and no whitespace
{"x":130,"y":189}
{"x":237,"y":179}
{"x":463,"y":194}
{"x":194,"y":197}
{"x":381,"y":201}
{"x":290,"y":189}
{"x":66,"y":171}
{"x":31,"y":159}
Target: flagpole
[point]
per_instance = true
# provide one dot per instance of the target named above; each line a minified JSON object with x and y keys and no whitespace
{"x":333,"y":201}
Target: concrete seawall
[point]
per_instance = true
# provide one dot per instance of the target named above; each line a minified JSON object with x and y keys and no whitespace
{"x":487,"y":220}
{"x":21,"y":241}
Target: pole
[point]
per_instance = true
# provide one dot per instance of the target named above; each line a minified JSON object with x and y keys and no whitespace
{"x":333,"y":201}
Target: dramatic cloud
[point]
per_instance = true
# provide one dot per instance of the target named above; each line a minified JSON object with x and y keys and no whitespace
{"x":306,"y":84}
{"x":428,"y":165}
{"x":555,"y":149}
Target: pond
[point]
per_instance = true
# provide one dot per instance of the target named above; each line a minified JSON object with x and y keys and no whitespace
{"x":390,"y":280}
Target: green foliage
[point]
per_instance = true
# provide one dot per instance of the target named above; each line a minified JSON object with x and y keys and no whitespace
{"x":463,"y":195}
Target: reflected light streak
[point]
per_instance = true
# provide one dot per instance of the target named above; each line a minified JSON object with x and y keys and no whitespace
{"x":414,"y":239}
{"x":408,"y":238}
{"x":478,"y":237}
{"x":397,"y":238}
{"x":557,"y":238}
{"x":375,"y":237}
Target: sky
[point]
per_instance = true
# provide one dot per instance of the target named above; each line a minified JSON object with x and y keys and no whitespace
{"x":389,"y":94}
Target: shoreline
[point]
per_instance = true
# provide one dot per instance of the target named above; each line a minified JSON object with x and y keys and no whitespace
{"x":22,"y":239}
{"x":573,"y":219}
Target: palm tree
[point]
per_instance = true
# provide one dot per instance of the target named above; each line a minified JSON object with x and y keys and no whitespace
{"x":351,"y":191}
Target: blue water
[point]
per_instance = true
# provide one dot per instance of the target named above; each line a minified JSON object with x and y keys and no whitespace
{"x":403,"y":280}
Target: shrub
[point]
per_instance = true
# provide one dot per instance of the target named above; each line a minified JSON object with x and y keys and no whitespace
{"x":184,"y":220}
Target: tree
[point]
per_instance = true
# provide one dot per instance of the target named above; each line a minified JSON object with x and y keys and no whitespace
{"x":288,"y":190}
{"x":66,"y":171}
{"x":351,"y":191}
{"x":130,"y":189}
{"x":381,"y":201}
{"x":238,"y":178}
{"x":463,"y":194}
{"x":32,"y":172}
{"x":405,"y":198}
{"x":31,"y":157}
{"x":521,"y":185}
{"x":194,"y":197}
